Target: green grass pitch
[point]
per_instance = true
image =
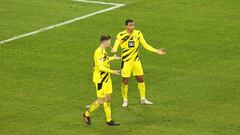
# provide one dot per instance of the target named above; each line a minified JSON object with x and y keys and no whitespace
{"x":46,"y":79}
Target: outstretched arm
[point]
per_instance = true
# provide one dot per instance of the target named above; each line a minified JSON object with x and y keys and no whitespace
{"x":114,"y":57}
{"x":149,"y":47}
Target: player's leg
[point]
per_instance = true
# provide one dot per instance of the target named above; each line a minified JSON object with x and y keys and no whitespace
{"x":138,"y":73}
{"x":124,"y":88}
{"x":95,"y":104}
{"x":92,"y":108}
{"x":107,"y":106}
{"x":107,"y":109}
{"x":141,"y":86}
{"x":126,"y":73}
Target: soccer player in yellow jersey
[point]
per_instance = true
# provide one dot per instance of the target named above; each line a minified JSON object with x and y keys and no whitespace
{"x":102,"y":80}
{"x":129,"y":40}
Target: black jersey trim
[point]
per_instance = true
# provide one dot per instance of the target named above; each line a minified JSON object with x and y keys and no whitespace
{"x":104,"y":78}
{"x":99,"y":86}
{"x":132,"y":52}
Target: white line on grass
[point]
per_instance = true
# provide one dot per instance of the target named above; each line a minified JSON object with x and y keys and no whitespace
{"x":100,"y":2}
{"x":115,"y":6}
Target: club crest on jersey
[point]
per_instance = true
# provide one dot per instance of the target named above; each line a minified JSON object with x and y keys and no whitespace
{"x":131,"y":44}
{"x":100,"y":59}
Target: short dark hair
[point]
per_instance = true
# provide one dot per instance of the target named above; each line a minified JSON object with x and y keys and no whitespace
{"x":104,"y":37}
{"x":128,"y":21}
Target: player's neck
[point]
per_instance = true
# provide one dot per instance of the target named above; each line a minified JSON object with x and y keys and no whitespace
{"x":129,"y":32}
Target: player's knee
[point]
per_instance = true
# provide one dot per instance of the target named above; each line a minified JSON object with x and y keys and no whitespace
{"x":140,"y":79}
{"x":125,"y":80}
{"x":100,"y":101}
{"x":107,"y":99}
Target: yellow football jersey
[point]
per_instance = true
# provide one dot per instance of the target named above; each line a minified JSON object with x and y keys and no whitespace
{"x":101,"y":66}
{"x":130,"y":44}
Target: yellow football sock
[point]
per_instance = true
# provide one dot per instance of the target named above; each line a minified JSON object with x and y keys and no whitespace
{"x":92,"y":108}
{"x":141,"y":88}
{"x":107,"y":110}
{"x":124,"y":89}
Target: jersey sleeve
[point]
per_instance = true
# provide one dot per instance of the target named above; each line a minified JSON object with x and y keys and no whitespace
{"x":99,"y":59}
{"x":145,"y":45}
{"x":117,"y":43}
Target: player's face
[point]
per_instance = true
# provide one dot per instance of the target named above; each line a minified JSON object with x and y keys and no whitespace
{"x":107,"y":43}
{"x":131,"y":26}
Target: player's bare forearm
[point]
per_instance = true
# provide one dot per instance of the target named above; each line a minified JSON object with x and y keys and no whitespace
{"x":116,"y":72}
{"x":115,"y":57}
{"x":105,"y":69}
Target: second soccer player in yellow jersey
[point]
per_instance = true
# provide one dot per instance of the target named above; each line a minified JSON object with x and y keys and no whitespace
{"x":129,"y":41}
{"x":102,"y":80}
